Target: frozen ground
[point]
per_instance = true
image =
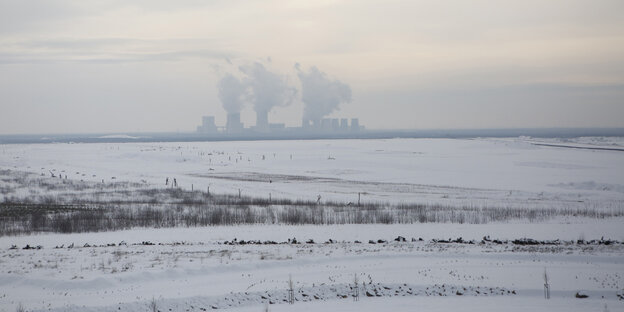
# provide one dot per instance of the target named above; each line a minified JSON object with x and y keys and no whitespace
{"x":191,"y":269}
{"x":443,"y":304}
{"x":479,"y":172}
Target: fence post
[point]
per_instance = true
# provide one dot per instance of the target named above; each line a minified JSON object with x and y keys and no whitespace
{"x":546,"y":286}
{"x":356,"y":288}
{"x":291,"y":290}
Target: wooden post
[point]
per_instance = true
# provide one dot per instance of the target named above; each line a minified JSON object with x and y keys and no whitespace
{"x":356,"y":289}
{"x":191,"y":187}
{"x":291,"y":290}
{"x":358,"y":198}
{"x":208,"y":191}
{"x":239,"y":193}
{"x":546,"y":286}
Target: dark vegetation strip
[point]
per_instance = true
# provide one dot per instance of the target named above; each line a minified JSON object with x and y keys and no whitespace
{"x":594,"y":148}
{"x":69,"y":206}
{"x":192,"y":209}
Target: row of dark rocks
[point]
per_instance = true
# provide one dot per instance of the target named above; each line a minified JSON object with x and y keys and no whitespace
{"x":294,"y":241}
{"x":399,"y":239}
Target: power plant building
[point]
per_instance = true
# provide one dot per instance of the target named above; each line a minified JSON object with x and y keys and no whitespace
{"x":235,"y":126}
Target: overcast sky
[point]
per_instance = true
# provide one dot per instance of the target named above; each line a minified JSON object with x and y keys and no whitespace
{"x":124,"y":66}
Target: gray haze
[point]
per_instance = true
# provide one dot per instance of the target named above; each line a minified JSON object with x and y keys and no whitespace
{"x":70,"y":66}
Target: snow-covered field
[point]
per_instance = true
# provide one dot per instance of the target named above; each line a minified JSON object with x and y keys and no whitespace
{"x":482,"y":172}
{"x":192,"y":269}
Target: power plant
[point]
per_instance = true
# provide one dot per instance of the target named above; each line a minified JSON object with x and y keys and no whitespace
{"x":255,"y":85}
{"x":235,"y":126}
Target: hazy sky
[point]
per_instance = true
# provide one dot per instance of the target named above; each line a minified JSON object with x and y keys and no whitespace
{"x":152,"y":65}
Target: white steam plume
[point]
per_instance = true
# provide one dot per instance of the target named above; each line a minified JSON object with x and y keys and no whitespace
{"x":267,"y":88}
{"x":321,"y":96}
{"x":232,"y":93}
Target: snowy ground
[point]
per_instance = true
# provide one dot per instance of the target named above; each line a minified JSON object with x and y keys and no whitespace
{"x":191,"y":269}
{"x":478,"y":172}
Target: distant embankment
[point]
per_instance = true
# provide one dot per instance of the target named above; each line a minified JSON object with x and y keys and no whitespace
{"x":581,"y":147}
{"x":302,"y":135}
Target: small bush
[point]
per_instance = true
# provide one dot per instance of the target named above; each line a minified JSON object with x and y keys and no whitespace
{"x":153,"y":305}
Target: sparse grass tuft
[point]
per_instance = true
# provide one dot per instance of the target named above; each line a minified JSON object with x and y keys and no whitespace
{"x":20,"y":308}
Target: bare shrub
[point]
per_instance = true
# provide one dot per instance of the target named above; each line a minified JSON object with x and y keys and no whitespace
{"x":20,"y":308}
{"x":118,"y":206}
{"x":153,"y":305}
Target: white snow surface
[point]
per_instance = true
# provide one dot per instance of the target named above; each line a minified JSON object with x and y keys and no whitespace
{"x":190,"y":269}
{"x":477,"y":172}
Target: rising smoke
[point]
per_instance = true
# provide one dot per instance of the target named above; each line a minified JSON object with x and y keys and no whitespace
{"x":267,"y":89}
{"x":232,"y":93}
{"x":320,"y":95}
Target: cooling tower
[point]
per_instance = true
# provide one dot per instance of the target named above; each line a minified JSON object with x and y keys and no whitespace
{"x":208,"y":125}
{"x":355,"y":124}
{"x":234,"y":124}
{"x":344,"y":124}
